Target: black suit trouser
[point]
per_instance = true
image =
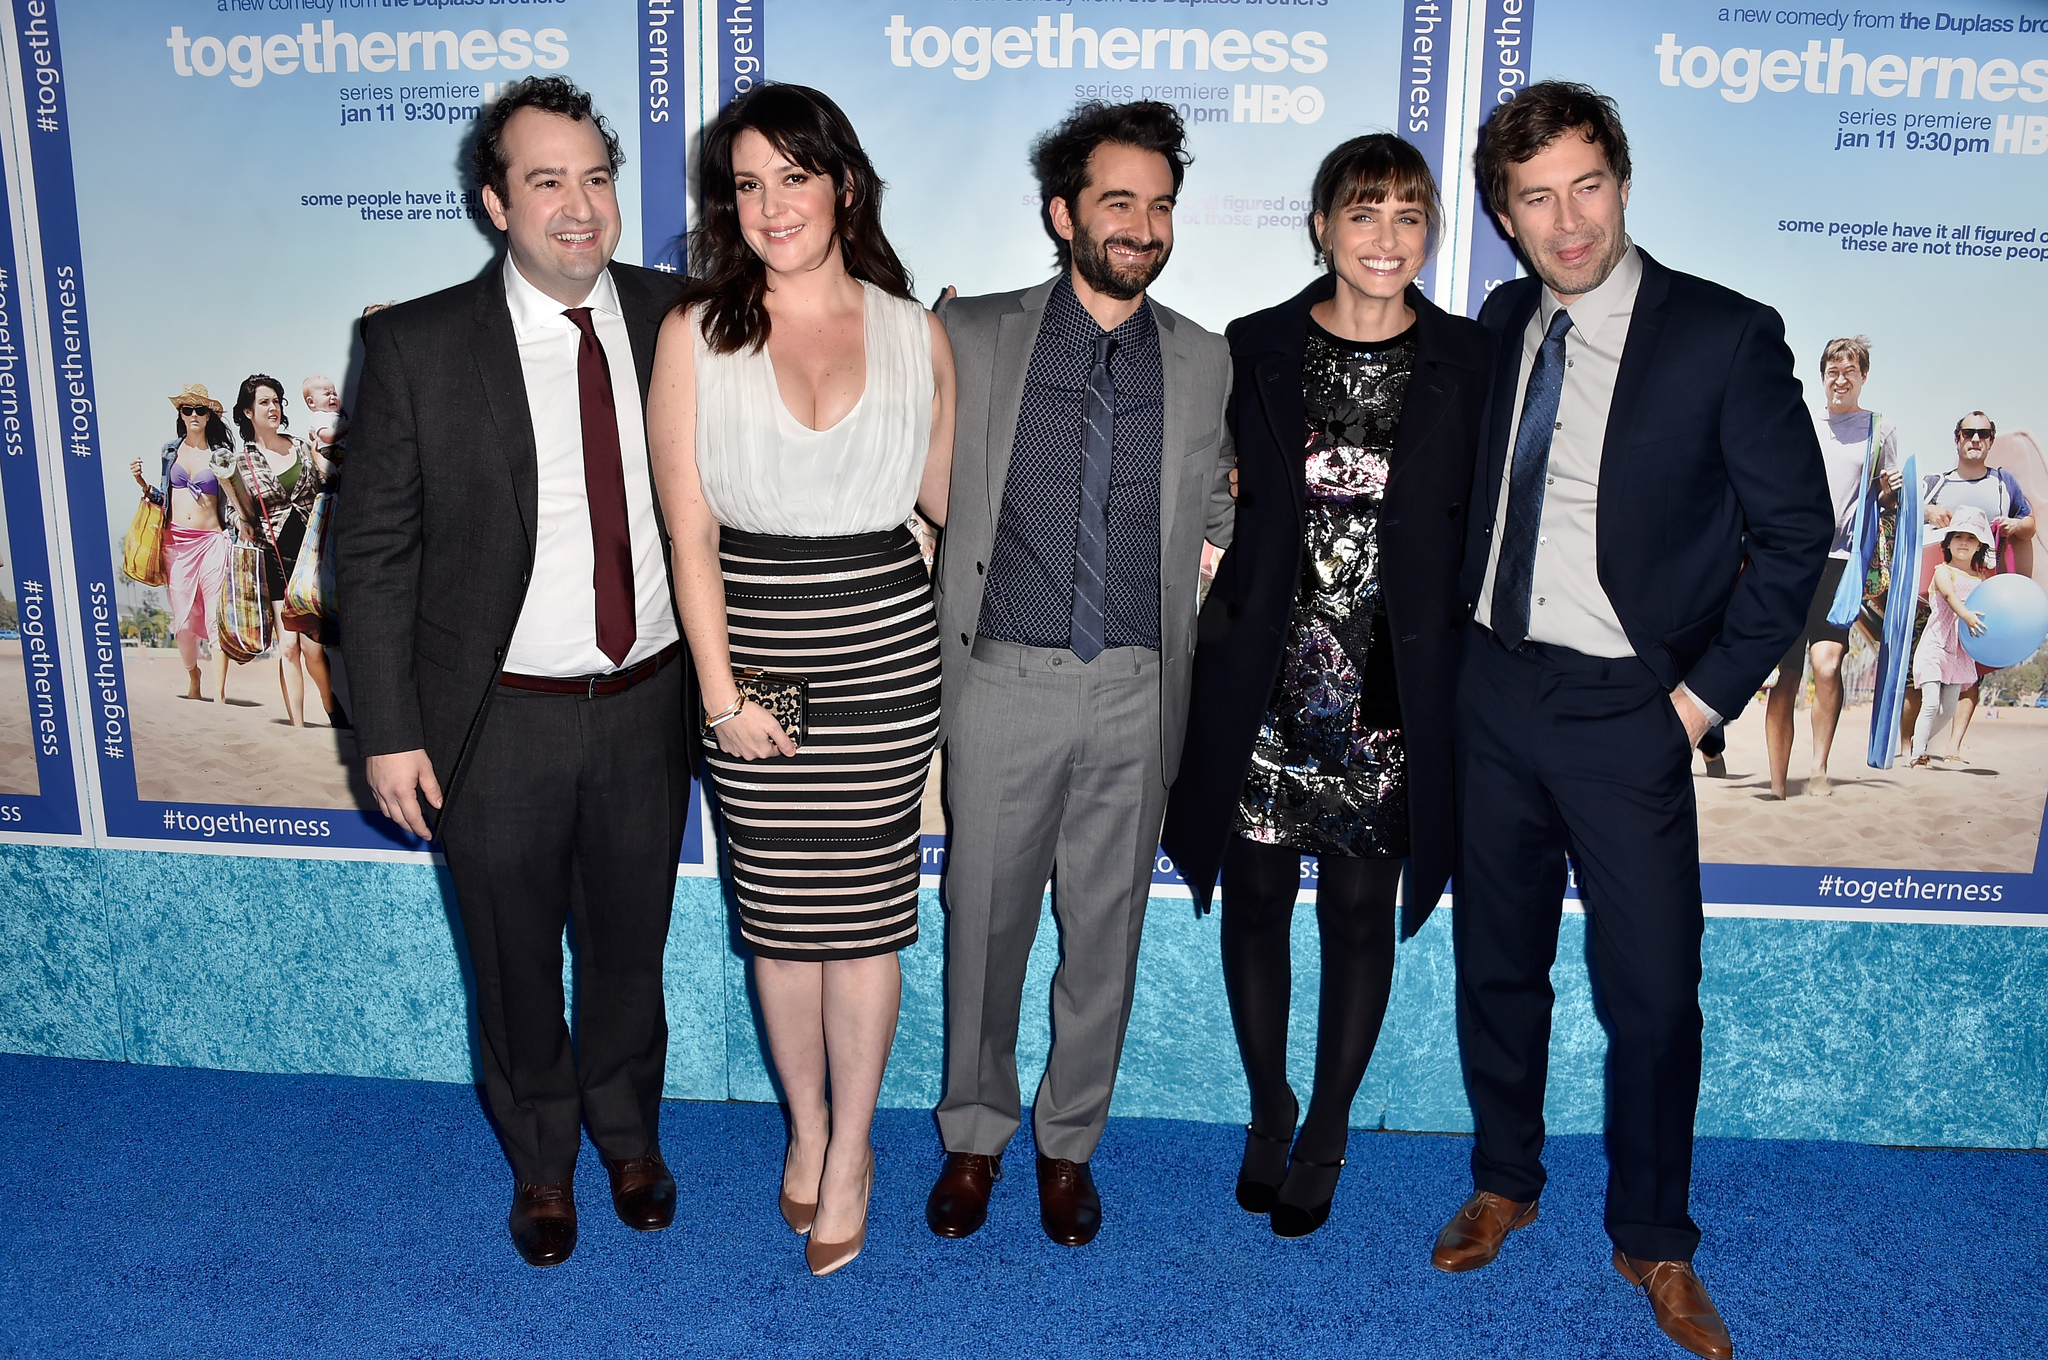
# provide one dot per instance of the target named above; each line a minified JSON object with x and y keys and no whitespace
{"x":1559,"y":753}
{"x":571,"y":808}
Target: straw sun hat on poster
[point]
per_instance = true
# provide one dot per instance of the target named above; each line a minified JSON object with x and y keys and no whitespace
{"x":195,"y":394}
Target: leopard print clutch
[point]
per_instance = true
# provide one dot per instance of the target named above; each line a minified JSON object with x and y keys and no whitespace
{"x":787,"y":698}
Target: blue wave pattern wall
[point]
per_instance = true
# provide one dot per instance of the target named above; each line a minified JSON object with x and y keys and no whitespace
{"x":1899,"y":1034}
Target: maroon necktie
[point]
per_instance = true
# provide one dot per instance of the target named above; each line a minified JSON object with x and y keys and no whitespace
{"x":604,"y":480}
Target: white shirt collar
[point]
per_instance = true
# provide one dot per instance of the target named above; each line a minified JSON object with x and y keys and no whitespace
{"x":534,"y":312}
{"x":1616,"y":293}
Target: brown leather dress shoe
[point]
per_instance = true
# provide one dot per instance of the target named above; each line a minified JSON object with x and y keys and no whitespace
{"x":643,"y":1192}
{"x":1068,"y":1207}
{"x":959,"y":1202}
{"x":544,"y":1222}
{"x":1685,"y":1312}
{"x":1473,"y":1236}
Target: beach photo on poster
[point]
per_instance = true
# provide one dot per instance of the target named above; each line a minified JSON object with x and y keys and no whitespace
{"x":1895,"y":225}
{"x":208,"y":363}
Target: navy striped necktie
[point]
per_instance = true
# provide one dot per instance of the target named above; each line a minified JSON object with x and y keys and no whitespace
{"x":1091,"y":556}
{"x":1514,"y":574}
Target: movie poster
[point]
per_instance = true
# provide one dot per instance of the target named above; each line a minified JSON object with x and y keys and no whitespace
{"x":1873,"y":174}
{"x":38,"y":766}
{"x":947,"y":98}
{"x":224,"y":190}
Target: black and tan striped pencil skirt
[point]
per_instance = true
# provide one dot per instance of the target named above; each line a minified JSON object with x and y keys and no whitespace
{"x":824,"y":844}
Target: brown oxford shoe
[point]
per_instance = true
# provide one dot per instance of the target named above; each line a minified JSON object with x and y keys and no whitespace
{"x":1685,"y":1312}
{"x":1474,"y":1235}
{"x":643,"y":1193}
{"x":958,"y":1204}
{"x":544,"y":1222}
{"x":1068,"y":1207}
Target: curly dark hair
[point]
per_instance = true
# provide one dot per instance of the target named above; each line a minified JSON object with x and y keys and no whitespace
{"x":245,"y":404}
{"x":727,"y":278}
{"x":1060,"y":157}
{"x":1535,"y":118}
{"x":549,"y":94}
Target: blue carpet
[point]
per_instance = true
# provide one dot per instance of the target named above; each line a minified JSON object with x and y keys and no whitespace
{"x":169,"y":1212}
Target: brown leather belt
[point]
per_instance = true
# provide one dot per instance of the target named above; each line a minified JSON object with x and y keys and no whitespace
{"x":592,"y":686}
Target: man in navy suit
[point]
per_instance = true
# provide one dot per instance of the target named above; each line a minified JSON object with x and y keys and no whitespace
{"x":1650,"y":519}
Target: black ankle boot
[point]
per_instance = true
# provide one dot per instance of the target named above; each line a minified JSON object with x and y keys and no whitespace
{"x":1303,"y":1203}
{"x":1264,"y":1168}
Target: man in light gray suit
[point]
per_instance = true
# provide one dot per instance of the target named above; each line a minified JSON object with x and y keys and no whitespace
{"x":1090,"y":462}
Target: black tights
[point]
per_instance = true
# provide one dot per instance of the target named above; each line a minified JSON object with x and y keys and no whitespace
{"x":1355,"y":917}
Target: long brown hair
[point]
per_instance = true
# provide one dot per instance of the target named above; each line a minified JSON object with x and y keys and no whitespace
{"x":728,"y":279}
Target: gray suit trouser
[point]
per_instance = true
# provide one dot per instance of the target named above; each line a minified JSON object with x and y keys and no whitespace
{"x":1052,"y":768}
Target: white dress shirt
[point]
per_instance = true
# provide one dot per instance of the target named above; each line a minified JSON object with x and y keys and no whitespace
{"x":557,"y":631}
{"x":1567,"y":605}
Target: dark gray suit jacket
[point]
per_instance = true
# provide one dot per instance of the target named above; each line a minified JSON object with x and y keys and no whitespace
{"x":434,"y":535}
{"x":992,"y":340}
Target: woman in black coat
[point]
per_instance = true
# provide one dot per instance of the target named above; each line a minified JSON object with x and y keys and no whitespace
{"x":1321,"y":715}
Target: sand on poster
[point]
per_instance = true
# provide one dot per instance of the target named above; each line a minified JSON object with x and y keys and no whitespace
{"x":1874,"y":173}
{"x":222,"y":192}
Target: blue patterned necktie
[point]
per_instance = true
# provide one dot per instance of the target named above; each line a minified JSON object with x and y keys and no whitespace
{"x":1091,"y":557}
{"x":1516,"y":569}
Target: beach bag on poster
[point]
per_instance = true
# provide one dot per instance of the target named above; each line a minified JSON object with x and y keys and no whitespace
{"x":310,"y":591}
{"x":142,"y":554}
{"x":244,"y":610}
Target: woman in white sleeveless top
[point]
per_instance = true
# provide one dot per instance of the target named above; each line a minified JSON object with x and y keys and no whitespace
{"x":802,"y":404}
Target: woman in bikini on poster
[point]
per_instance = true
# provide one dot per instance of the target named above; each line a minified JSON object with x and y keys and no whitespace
{"x":196,"y":529}
{"x":276,"y":480}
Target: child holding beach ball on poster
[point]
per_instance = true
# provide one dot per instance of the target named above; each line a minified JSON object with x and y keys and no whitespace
{"x":1942,"y":668}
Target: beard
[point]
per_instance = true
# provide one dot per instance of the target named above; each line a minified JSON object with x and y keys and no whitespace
{"x":1091,"y":258}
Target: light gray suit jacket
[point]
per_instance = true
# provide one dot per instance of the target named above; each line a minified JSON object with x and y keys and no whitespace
{"x":992,"y":341}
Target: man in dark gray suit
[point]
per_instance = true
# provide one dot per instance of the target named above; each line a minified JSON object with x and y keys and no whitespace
{"x":516,"y":659}
{"x":1090,"y":462}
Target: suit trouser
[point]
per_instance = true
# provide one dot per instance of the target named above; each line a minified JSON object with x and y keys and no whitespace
{"x":571,"y":808}
{"x":1052,"y":768}
{"x":1561,"y":753}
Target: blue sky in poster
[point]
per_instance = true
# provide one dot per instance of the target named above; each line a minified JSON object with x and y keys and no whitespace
{"x":205,"y":262}
{"x":949,"y":124}
{"x":240,"y":196}
{"x":1726,"y":167}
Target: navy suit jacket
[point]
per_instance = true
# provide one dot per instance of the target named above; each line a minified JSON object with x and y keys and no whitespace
{"x":1714,"y":512}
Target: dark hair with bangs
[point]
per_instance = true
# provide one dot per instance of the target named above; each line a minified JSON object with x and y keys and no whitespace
{"x":727,"y":278}
{"x":1373,"y":169}
{"x":1060,"y":157}
{"x":1535,"y":118}
{"x":550,"y":94}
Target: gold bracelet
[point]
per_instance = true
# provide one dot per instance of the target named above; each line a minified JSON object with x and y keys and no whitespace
{"x":729,"y":714}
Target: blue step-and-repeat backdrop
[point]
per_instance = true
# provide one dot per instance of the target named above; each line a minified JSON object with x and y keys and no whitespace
{"x":203,"y":191}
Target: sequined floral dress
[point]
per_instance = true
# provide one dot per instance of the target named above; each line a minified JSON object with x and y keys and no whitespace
{"x":1329,"y":772}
